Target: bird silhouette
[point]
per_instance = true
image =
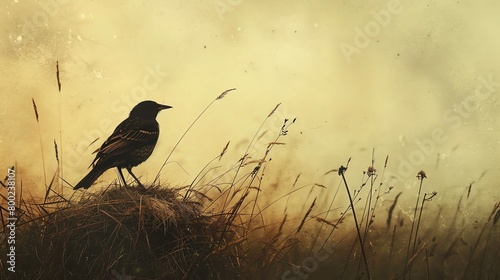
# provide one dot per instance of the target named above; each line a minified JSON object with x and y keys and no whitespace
{"x":132,"y":142}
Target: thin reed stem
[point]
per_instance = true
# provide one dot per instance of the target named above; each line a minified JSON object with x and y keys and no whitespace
{"x":496,"y":207}
{"x":240,"y":165}
{"x":342,"y":170}
{"x":41,"y":142}
{"x":421,"y":176}
{"x":420,"y":219}
{"x":61,"y":164}
{"x":187,"y":130}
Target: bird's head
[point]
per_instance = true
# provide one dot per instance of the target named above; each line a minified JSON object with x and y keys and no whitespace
{"x":148,"y":109}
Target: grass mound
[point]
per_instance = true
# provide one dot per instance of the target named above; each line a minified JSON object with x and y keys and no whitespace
{"x":127,"y":234}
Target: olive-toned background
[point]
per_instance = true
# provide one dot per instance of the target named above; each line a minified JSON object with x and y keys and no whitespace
{"x":396,"y":76}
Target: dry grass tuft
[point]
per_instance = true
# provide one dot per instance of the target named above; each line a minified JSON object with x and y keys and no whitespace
{"x":146,"y":235}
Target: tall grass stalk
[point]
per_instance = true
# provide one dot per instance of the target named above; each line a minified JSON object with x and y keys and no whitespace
{"x":242,"y":160}
{"x":379,"y":195}
{"x":496,"y":208}
{"x":41,"y":142}
{"x":342,"y":170}
{"x":421,"y":176}
{"x":222,"y":95}
{"x":283,"y":132}
{"x":433,"y":194}
{"x":330,"y":208}
{"x":60,"y":163}
{"x":372,"y":177}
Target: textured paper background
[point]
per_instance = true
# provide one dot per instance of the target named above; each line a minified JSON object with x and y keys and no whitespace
{"x":372,"y":74}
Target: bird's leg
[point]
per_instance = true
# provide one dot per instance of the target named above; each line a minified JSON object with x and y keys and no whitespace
{"x":129,"y":169}
{"x":121,"y":175}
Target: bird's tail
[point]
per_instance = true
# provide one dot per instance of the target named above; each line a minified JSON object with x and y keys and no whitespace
{"x":88,"y":180}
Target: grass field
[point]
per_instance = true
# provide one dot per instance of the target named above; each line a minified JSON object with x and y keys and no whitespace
{"x":224,"y":225}
{"x":225,"y":230}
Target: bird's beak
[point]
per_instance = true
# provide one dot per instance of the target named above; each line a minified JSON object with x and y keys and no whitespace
{"x":163,"y":107}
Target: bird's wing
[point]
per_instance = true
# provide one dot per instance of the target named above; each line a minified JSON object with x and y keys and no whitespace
{"x":127,"y":137}
{"x":123,"y":143}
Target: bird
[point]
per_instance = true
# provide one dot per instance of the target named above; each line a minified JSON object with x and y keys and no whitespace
{"x":130,"y":144}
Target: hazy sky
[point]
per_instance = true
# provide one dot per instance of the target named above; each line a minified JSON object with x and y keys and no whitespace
{"x":415,"y":81}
